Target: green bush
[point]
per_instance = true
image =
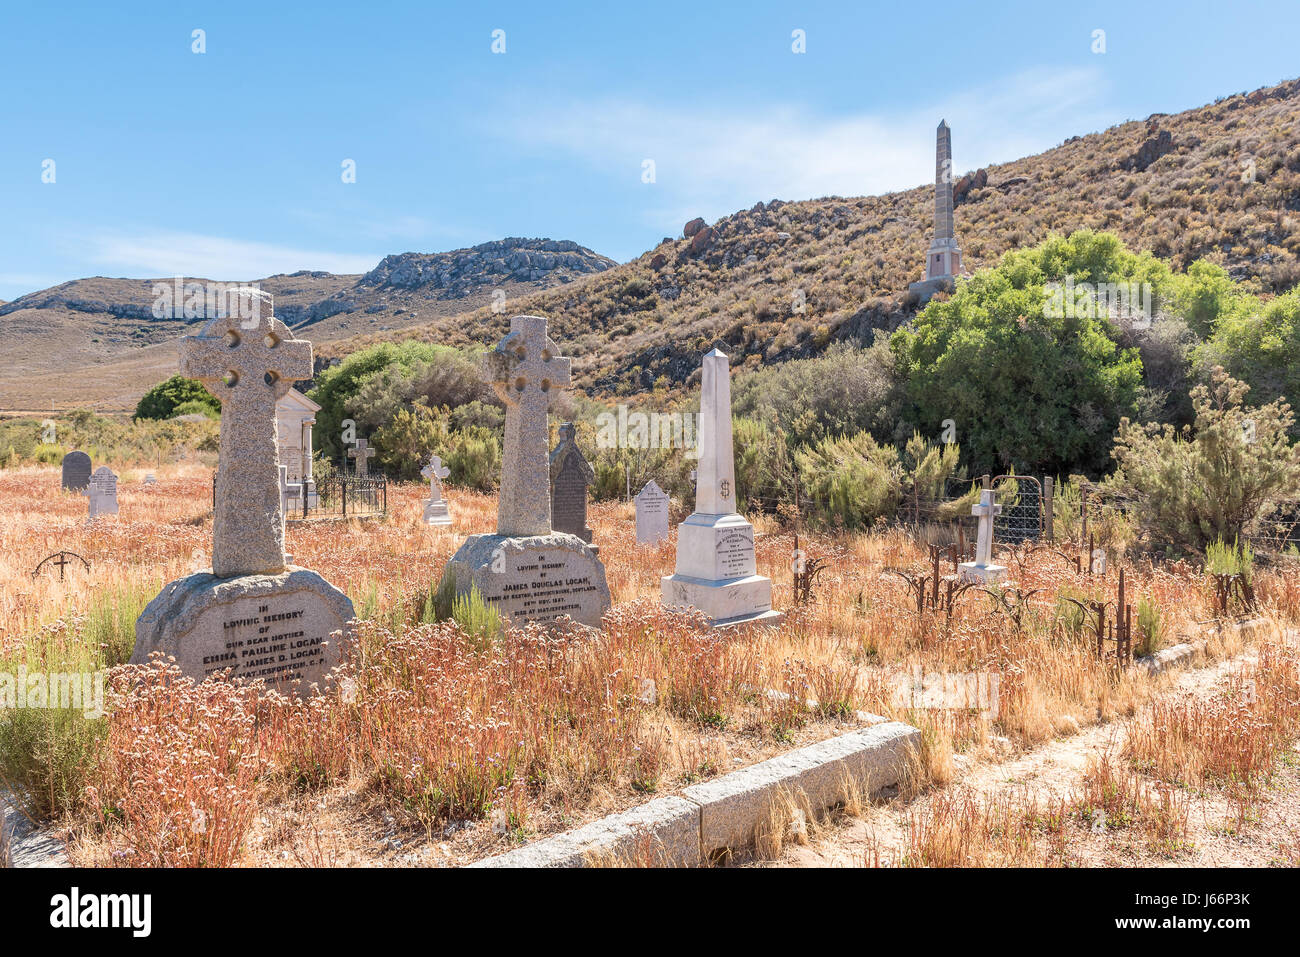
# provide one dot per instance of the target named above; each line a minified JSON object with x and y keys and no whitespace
{"x":851,"y":481}
{"x":1216,"y":483}
{"x":1023,"y":384}
{"x":372,"y":385}
{"x":1150,"y":629}
{"x":164,"y":399}
{"x":404,"y":445}
{"x":1235,"y":559}
{"x":474,"y":459}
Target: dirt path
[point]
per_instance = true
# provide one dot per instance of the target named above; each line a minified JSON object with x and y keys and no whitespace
{"x":1055,"y":770}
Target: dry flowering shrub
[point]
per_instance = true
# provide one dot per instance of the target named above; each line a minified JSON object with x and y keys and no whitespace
{"x":177,"y":786}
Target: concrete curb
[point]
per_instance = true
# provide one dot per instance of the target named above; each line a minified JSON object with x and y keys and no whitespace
{"x":726,"y":813}
{"x":1180,"y":654}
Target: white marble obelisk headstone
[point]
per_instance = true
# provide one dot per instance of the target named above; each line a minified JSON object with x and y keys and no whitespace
{"x":983,"y":569}
{"x":716,"y":566}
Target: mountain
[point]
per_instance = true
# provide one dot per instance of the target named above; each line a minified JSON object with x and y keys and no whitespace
{"x":1221,"y":182}
{"x":776,"y":281}
{"x":97,"y":341}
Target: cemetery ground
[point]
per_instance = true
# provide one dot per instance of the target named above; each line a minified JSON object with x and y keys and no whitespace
{"x":438,"y":747}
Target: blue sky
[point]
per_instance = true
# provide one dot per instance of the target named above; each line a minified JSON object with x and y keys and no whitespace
{"x":227,"y":164}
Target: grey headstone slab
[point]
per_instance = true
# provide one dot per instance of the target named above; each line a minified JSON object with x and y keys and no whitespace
{"x":76,"y":471}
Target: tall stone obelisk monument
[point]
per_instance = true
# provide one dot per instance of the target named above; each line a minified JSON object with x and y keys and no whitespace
{"x":716,"y":569}
{"x":944,"y":259}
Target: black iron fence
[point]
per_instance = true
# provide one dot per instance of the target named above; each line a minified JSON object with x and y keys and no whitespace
{"x":341,"y":496}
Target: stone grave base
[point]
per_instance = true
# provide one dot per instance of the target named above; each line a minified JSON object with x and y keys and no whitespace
{"x":280,"y":628}
{"x":533,"y":578}
{"x":734,"y":601}
{"x":986,"y":574}
{"x":436,"y":513}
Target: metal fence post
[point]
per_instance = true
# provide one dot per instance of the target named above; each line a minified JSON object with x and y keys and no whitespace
{"x":1047,"y":508}
{"x":343,"y":493}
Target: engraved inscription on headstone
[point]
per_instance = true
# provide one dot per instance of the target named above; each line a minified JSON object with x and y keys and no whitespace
{"x":102,"y":492}
{"x":571,"y":473}
{"x":651,"y":514}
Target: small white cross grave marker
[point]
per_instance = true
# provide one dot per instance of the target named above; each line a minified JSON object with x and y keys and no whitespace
{"x":983,"y":569}
{"x":435,"y":509}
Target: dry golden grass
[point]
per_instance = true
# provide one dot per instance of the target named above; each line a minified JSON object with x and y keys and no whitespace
{"x":442,"y":744}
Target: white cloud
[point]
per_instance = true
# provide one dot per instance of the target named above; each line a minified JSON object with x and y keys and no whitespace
{"x":712,"y":160}
{"x":158,"y":253}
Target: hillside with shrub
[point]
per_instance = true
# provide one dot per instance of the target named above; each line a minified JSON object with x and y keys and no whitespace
{"x":1220,"y":183}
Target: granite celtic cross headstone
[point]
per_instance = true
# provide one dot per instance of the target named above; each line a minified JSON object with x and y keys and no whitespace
{"x":528,"y":570}
{"x":248,"y":370}
{"x":528,"y":373}
{"x":252,"y":615}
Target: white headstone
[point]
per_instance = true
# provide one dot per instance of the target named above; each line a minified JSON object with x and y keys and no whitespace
{"x":102,"y":492}
{"x":435,"y":508}
{"x":716,"y":567}
{"x":983,"y":569}
{"x":651,"y":514}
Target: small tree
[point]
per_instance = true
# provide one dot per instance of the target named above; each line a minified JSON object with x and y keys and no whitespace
{"x":167,"y":399}
{"x":1216,"y":482}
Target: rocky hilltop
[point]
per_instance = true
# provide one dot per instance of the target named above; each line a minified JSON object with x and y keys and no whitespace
{"x":520,"y":260}
{"x":97,"y":341}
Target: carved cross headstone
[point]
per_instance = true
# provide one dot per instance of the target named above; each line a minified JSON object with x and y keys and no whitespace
{"x":435,"y":472}
{"x":986,"y":510}
{"x":528,"y":373}
{"x":248,"y":369}
{"x":362,"y":452}
{"x":436,"y":511}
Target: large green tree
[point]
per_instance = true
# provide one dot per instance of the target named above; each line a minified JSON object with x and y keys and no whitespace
{"x":1019,"y":379}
